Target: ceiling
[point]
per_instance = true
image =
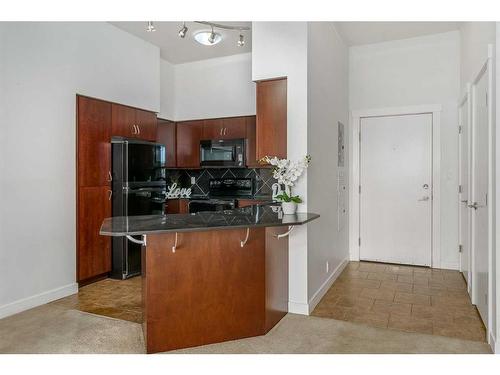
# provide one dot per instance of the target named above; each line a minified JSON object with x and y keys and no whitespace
{"x":177,"y":50}
{"x":358,"y":33}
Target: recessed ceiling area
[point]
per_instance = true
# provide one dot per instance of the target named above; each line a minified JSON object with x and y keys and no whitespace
{"x":358,"y":33}
{"x":179,"y":50}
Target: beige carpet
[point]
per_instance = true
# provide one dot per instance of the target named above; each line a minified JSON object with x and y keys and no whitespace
{"x":55,"y":329}
{"x":52,"y":329}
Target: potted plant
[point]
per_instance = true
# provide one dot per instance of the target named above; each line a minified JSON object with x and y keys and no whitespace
{"x":287,"y":172}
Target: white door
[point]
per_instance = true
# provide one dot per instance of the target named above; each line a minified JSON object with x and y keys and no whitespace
{"x":396,"y":189}
{"x":464,"y":175}
{"x":480,"y":196}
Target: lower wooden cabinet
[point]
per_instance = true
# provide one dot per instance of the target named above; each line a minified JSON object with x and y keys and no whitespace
{"x":248,"y":202}
{"x":94,"y":250}
{"x":177,"y":206}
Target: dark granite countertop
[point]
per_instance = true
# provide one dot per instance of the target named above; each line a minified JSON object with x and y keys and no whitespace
{"x":264,"y":215}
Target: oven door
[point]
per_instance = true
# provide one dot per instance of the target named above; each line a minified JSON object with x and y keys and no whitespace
{"x":222,"y":153}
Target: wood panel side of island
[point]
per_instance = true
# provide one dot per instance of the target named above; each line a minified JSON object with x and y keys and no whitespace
{"x":210,"y":290}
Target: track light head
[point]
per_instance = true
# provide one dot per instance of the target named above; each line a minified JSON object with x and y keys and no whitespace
{"x":150,"y":27}
{"x":183,"y":30}
{"x":241,"y":41}
{"x":211,"y":37}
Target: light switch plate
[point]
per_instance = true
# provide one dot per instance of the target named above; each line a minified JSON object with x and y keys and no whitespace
{"x":193,"y":180}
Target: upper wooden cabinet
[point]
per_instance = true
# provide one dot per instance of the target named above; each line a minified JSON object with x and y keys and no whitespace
{"x":189,"y":134}
{"x":133,"y":123}
{"x":166,"y":135}
{"x":225,"y":128}
{"x":123,"y":121}
{"x":146,"y":123}
{"x":251,"y":155}
{"x":271,"y":129}
{"x":94,"y":149}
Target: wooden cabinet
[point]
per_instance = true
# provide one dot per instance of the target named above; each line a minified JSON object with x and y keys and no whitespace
{"x":94,"y":250}
{"x":94,"y":149}
{"x":123,"y":121}
{"x":248,"y":202}
{"x":271,"y":128}
{"x":234,"y":127}
{"x":189,"y":134}
{"x":251,"y":154}
{"x":177,"y":206}
{"x":166,"y":135}
{"x":225,"y":128}
{"x":93,"y":187}
{"x":146,"y":123}
{"x":133,"y":123}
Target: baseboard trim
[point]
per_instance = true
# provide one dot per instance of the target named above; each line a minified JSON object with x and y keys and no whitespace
{"x":37,"y":300}
{"x":326,"y":285}
{"x":298,"y":308}
{"x":450,"y":266}
{"x":493,"y":344}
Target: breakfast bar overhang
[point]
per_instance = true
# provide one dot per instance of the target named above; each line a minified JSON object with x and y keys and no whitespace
{"x":211,"y":276}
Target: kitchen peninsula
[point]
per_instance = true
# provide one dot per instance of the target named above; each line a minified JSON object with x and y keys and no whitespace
{"x":211,"y":276}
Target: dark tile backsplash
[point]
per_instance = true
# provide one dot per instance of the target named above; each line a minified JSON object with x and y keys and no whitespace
{"x":263,"y":179}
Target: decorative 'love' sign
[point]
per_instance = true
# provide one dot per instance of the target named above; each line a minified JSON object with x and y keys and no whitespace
{"x":175,"y":192}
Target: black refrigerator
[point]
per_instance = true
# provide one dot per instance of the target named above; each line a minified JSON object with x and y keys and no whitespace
{"x":139,"y":188}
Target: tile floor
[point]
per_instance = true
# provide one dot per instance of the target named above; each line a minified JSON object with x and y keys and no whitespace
{"x":120,"y":299}
{"x":405,"y":298}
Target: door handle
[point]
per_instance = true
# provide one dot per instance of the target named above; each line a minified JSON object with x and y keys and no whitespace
{"x":423,"y":199}
{"x":475,"y":205}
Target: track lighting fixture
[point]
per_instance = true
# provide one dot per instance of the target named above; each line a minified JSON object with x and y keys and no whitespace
{"x":241,"y":41}
{"x":183,"y":30}
{"x":150,"y":28}
{"x":211,"y":37}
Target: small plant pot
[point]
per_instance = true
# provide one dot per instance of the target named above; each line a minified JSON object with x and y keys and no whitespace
{"x":289,"y":208}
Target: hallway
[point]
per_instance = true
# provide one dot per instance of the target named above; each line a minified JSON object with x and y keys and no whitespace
{"x":403,"y":298}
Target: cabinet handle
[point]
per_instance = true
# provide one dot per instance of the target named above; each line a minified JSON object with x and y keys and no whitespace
{"x":134,"y":131}
{"x":220,"y":132}
{"x":110,"y":194}
{"x":225,"y":130}
{"x":110,"y":177}
{"x":138,"y":129}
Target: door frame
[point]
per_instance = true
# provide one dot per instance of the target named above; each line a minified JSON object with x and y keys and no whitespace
{"x":466,"y":98}
{"x":354,"y":170}
{"x":486,"y":68}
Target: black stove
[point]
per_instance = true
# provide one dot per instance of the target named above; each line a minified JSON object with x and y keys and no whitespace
{"x":223,"y":194}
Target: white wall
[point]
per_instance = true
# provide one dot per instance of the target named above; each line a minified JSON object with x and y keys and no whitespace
{"x":474,"y":40}
{"x":42,"y":67}
{"x":167,"y":90}
{"x":328,"y":65}
{"x":423,"y":70}
{"x":280,"y":49}
{"x":219,"y":87}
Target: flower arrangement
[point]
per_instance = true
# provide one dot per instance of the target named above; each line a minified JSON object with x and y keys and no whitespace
{"x":287,"y":172}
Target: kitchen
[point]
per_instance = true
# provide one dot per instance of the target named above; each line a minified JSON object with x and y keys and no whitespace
{"x":130,"y":163}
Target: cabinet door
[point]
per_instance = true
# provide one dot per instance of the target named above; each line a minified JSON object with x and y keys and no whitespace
{"x":165,"y":134}
{"x":94,"y":250}
{"x":234,"y":128}
{"x":147,"y":123}
{"x":189,"y":134}
{"x":94,"y":149}
{"x":123,"y":121}
{"x":251,"y":153}
{"x":213,"y":129}
{"x":271,"y":118}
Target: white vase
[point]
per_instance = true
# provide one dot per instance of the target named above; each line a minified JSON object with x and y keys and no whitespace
{"x":289,"y":208}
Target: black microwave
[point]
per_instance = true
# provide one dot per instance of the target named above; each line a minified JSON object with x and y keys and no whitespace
{"x":222,"y":153}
